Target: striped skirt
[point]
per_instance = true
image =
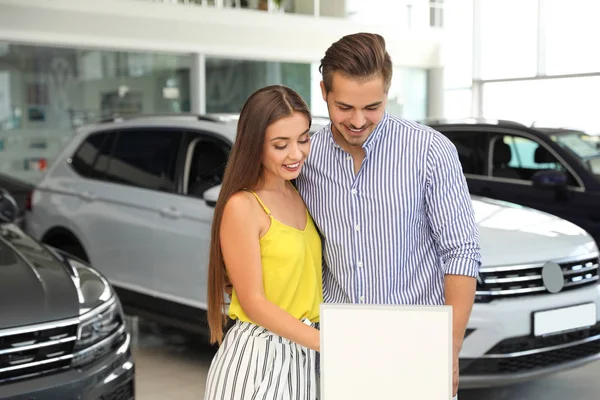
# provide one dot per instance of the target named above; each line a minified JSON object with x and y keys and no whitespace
{"x":253,"y":363}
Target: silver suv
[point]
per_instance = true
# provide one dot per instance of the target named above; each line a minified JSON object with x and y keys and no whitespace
{"x":126,"y":194}
{"x":135,"y":198}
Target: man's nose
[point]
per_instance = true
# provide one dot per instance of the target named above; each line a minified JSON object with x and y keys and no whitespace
{"x":358,"y":119}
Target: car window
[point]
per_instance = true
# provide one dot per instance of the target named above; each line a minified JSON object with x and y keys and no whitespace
{"x":91,"y":158}
{"x":584,"y":147}
{"x":470,"y":155}
{"x":205,"y":164}
{"x":517,"y":157}
{"x":145,"y":158}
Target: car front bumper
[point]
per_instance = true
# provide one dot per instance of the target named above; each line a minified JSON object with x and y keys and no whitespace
{"x":111,"y":377}
{"x":501,"y":348}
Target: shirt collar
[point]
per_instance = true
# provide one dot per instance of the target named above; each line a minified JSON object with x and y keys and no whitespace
{"x":371,"y":140}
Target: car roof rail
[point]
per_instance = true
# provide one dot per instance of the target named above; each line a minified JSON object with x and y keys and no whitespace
{"x":471,"y":121}
{"x":120,"y":118}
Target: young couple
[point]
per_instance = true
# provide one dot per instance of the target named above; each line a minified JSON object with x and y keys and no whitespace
{"x":381,"y":203}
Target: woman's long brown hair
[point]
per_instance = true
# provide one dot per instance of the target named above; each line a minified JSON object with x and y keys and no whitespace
{"x":244,"y":171}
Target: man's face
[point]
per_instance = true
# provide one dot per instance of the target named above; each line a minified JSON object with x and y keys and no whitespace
{"x":355,"y":107}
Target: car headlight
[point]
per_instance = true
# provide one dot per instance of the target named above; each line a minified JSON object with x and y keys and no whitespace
{"x":101,"y":321}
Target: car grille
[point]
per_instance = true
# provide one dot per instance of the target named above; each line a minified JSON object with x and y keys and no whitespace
{"x":526,"y":280}
{"x":527,"y":353}
{"x":36,"y":350}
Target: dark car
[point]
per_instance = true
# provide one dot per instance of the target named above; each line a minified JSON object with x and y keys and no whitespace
{"x":62,"y":329}
{"x":553,"y":170}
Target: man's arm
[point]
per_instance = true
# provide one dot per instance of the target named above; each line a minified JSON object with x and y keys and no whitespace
{"x":452,"y":220}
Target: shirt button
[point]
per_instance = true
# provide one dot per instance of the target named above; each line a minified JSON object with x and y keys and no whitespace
{"x":362,"y":299}
{"x":348,"y":158}
{"x":357,"y":227}
{"x":359,"y":264}
{"x":354,"y":191}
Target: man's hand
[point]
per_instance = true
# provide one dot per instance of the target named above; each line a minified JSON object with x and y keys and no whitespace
{"x":460,"y":294}
{"x":455,"y":375}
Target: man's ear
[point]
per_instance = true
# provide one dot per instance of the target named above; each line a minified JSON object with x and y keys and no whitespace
{"x":324,"y":91}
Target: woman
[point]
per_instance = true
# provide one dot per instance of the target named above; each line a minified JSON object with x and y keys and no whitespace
{"x":265,"y":244}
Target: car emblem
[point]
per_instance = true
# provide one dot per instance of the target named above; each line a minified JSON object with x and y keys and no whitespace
{"x":553,"y":278}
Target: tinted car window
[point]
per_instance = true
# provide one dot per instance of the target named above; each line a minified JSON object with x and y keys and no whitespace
{"x":91,"y":158}
{"x":208,"y":158}
{"x":470,"y":156}
{"x":145,"y":158}
{"x":520,"y":158}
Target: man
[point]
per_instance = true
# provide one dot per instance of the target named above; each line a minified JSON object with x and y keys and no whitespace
{"x":388,"y":196}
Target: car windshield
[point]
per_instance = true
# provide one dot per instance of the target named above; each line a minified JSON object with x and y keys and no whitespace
{"x":586,"y":147}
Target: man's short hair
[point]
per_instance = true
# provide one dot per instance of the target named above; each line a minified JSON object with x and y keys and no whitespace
{"x":358,"y":56}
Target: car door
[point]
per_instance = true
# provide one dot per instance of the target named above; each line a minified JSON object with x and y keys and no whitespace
{"x":183,"y":260}
{"x":513,"y":159}
{"x":128,"y":211}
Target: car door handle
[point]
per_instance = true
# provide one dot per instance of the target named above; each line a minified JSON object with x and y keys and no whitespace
{"x":170,"y":212}
{"x":87,"y":196}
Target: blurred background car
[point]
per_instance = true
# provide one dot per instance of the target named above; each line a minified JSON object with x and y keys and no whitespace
{"x":549,"y":169}
{"x":62,"y":329}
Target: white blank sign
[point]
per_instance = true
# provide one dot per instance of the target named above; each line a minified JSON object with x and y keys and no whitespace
{"x":386,"y":352}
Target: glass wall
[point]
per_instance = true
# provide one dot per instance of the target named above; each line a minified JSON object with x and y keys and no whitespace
{"x":539,"y":64}
{"x":545,"y":101}
{"x":229,"y":82}
{"x":458,"y":59}
{"x":571,"y":34}
{"x":407,"y":97}
{"x":330,"y":8}
{"x":508,"y":38}
{"x":47,"y":91}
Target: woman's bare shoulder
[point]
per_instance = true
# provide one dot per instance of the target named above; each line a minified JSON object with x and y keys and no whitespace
{"x":241,"y":208}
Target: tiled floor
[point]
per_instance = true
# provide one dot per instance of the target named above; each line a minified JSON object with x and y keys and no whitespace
{"x":170,"y":365}
{"x":173,"y":366}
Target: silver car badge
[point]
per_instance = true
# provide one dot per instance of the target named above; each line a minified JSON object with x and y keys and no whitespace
{"x":553,"y":278}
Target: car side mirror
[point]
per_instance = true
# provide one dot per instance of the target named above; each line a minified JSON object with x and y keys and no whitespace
{"x":549,"y":179}
{"x":212,"y":195}
{"x":9,"y":210}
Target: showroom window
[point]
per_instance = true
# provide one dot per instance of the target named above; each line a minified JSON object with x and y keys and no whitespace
{"x":545,"y":102}
{"x":407,"y":97}
{"x":509,"y":38}
{"x":230,"y":82}
{"x":572,"y":32}
{"x":46,"y":92}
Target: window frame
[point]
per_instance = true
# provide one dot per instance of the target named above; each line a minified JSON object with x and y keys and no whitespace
{"x":184,"y":158}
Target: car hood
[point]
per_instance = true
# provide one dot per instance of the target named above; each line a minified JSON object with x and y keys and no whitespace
{"x":512,"y":234}
{"x":35,"y":287}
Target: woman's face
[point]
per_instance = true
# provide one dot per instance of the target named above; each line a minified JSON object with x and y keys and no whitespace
{"x":287,"y":145}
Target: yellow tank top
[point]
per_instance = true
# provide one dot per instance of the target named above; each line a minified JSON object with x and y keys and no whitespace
{"x":291,"y":269}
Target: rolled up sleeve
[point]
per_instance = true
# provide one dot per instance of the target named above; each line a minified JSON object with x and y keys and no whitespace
{"x":450,"y":210}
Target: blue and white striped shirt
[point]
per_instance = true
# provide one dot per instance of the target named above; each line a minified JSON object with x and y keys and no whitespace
{"x":392,"y":231}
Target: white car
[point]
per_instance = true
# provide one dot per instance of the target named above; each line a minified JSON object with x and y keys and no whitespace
{"x":134,"y":197}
